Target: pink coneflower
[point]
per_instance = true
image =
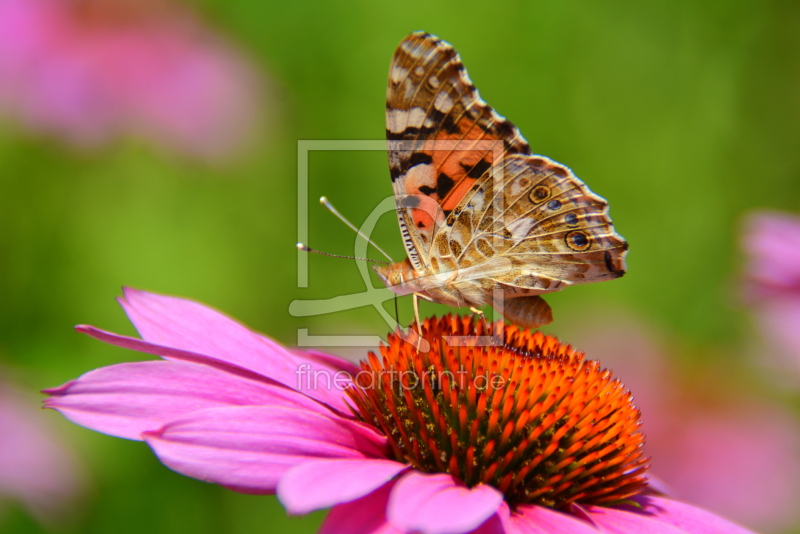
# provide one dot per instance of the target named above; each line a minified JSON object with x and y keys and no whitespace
{"x":523,"y":437}
{"x":88,"y":71}
{"x":36,"y":469}
{"x":772,"y":243}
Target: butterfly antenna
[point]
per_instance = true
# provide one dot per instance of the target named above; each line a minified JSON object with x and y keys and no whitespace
{"x":306,"y":248}
{"x":325,"y":202}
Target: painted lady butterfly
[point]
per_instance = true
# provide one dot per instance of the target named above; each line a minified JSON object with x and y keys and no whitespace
{"x":482,"y":219}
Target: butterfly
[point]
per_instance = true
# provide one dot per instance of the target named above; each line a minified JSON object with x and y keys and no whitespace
{"x":482,"y":219}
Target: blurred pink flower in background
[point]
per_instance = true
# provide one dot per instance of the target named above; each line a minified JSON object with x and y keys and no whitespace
{"x":89,"y":71}
{"x":36,"y":469}
{"x":737,"y":456}
{"x":771,"y":242}
{"x":230,"y":406}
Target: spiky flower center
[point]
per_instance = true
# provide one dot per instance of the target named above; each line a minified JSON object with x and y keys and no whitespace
{"x":525,"y":414}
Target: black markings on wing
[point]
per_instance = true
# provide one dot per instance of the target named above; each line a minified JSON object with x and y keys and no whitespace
{"x":477,"y":170}
{"x":443,"y":186}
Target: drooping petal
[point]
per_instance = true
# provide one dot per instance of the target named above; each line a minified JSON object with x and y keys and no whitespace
{"x":303,"y":373}
{"x":250,"y":448}
{"x":438,"y":504}
{"x":687,"y":517}
{"x":324,"y":483}
{"x":363,"y":516}
{"x":191,"y":326}
{"x":499,"y":523}
{"x":616,"y":521}
{"x":662,"y":515}
{"x":541,"y":520}
{"x":130,"y":398}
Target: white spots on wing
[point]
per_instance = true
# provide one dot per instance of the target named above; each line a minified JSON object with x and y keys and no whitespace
{"x":476,"y":203}
{"x":433,"y":81}
{"x":397,"y":120}
{"x":520,"y":228}
{"x":409,"y":89}
{"x":443,"y":102}
{"x":420,"y":176}
{"x":420,"y":71}
{"x":398,"y":74}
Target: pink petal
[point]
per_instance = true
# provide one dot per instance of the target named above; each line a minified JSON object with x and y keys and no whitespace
{"x":438,"y":504}
{"x":36,"y":467}
{"x":191,"y":326}
{"x":130,"y":398}
{"x":772,"y":240}
{"x":363,"y":516}
{"x":659,"y":514}
{"x":304,"y":373}
{"x":687,"y":517}
{"x":541,"y":520}
{"x":334,"y":363}
{"x":188,"y":325}
{"x":498,"y":523}
{"x":324,"y":483}
{"x":616,"y":521}
{"x":146,"y":347}
{"x":250,"y":448}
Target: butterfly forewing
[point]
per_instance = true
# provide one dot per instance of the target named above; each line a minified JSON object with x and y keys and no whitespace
{"x":441,"y":137}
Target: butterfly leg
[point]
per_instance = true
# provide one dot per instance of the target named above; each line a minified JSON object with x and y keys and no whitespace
{"x":476,"y":311}
{"x":419,"y":323}
{"x":416,"y":311}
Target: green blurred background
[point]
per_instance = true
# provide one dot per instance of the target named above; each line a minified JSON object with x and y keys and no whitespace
{"x":683,"y":114}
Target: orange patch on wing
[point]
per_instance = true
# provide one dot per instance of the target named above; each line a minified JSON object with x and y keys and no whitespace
{"x":422,"y":220}
{"x":426,"y":214}
{"x":458,"y":193}
{"x":472,"y":144}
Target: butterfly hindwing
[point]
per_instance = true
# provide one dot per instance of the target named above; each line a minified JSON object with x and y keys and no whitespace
{"x":531,"y":224}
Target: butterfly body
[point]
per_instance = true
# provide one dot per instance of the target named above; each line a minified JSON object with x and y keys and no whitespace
{"x":483,"y":220}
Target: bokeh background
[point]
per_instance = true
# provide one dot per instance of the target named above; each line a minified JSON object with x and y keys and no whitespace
{"x":154,"y":144}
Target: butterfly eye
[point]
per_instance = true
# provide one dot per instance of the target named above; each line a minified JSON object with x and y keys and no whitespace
{"x":578,"y":241}
{"x":554,"y":205}
{"x":539,"y":194}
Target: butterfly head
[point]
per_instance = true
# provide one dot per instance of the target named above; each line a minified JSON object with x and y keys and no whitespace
{"x":400,"y":277}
